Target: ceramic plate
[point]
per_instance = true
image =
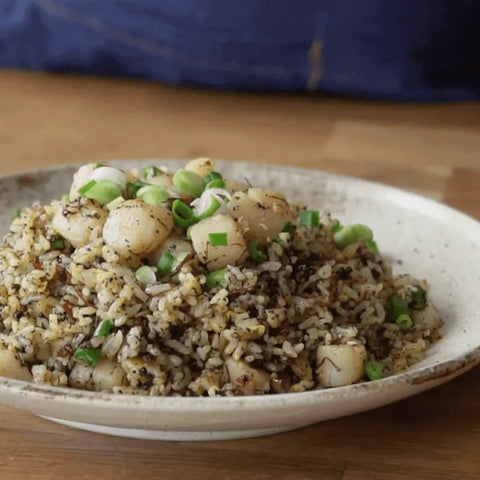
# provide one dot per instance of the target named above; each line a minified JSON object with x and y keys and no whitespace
{"x":418,"y":235}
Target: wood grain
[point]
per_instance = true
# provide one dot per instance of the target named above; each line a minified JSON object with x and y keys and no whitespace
{"x":49,"y":119}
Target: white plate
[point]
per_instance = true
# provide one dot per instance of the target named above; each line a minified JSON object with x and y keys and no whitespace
{"x":432,"y":241}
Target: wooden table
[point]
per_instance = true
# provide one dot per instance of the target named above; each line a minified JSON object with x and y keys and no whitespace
{"x":50,"y":119}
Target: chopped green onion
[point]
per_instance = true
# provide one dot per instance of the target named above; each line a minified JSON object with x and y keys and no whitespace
{"x":188,"y":182}
{"x":16,"y":214}
{"x":89,"y":356}
{"x":153,"y":195}
{"x":399,"y":313}
{"x":165,"y":264}
{"x":58,"y":244}
{"x":351,"y":234}
{"x":404,"y":321}
{"x":419,"y":298}
{"x":109,"y":174}
{"x":214,"y":206}
{"x":104,"y":328}
{"x":114,"y":203}
{"x":289,"y":227}
{"x":372,"y":246}
{"x":100,"y":164}
{"x":104,"y":192}
{"x":179,"y":259}
{"x":188,"y":233}
{"x":216,"y":278}
{"x":85,"y":188}
{"x":182,"y":214}
{"x":336,"y":227}
{"x":310,"y":218}
{"x":254,"y":252}
{"x":150,"y":172}
{"x":398,"y":306}
{"x":146,"y":275}
{"x":66,"y":198}
{"x":374,"y":370}
{"x":216,"y":184}
{"x":133,"y":188}
{"x":217,"y":239}
{"x":212,"y":176}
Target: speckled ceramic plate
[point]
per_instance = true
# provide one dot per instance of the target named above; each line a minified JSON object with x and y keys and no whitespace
{"x":418,"y":235}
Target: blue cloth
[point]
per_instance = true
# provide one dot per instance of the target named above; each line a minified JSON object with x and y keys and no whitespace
{"x":401,"y":50}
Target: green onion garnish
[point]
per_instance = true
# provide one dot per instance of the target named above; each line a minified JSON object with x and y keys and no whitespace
{"x":104,"y":328}
{"x":212,"y":176}
{"x":66,"y":198}
{"x":217,"y":239}
{"x":398,"y":306}
{"x":100,"y":164}
{"x":114,"y":203}
{"x":153,"y":195}
{"x":89,"y":356}
{"x":150,"y":172}
{"x":214,"y":206}
{"x":398,"y":309}
{"x":289,"y":227}
{"x":419,"y":298}
{"x":104,"y":192}
{"x":404,"y":321}
{"x":188,"y":182}
{"x":165,"y":264}
{"x":372,"y":246}
{"x":16,"y":214}
{"x":374,"y":370}
{"x":214,"y":180}
{"x":351,"y":234}
{"x":336,"y":227}
{"x":133,"y":188}
{"x":310,"y":218}
{"x":182,"y":214}
{"x":216,"y":184}
{"x":179,"y":259}
{"x":85,"y":188}
{"x":58,"y":244}
{"x":216,"y":278}
{"x":146,"y":274}
{"x":254,"y":252}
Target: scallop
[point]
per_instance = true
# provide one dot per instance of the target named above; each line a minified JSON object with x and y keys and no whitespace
{"x":107,"y":374}
{"x":79,"y":222}
{"x":162,"y":179}
{"x":104,"y":376}
{"x":81,"y":377}
{"x":339,"y":365}
{"x":111,"y":174}
{"x":11,"y":367}
{"x":263,"y":213}
{"x":218,"y":256}
{"x":248,"y":380}
{"x":234,"y":186}
{"x":173,"y":244}
{"x":201,"y":166}
{"x":81,"y":178}
{"x":136,"y":227}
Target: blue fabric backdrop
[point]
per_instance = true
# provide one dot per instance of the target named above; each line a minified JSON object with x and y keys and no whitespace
{"x":404,"y":50}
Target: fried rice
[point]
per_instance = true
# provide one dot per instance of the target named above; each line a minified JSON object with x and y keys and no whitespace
{"x":257,"y":330}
